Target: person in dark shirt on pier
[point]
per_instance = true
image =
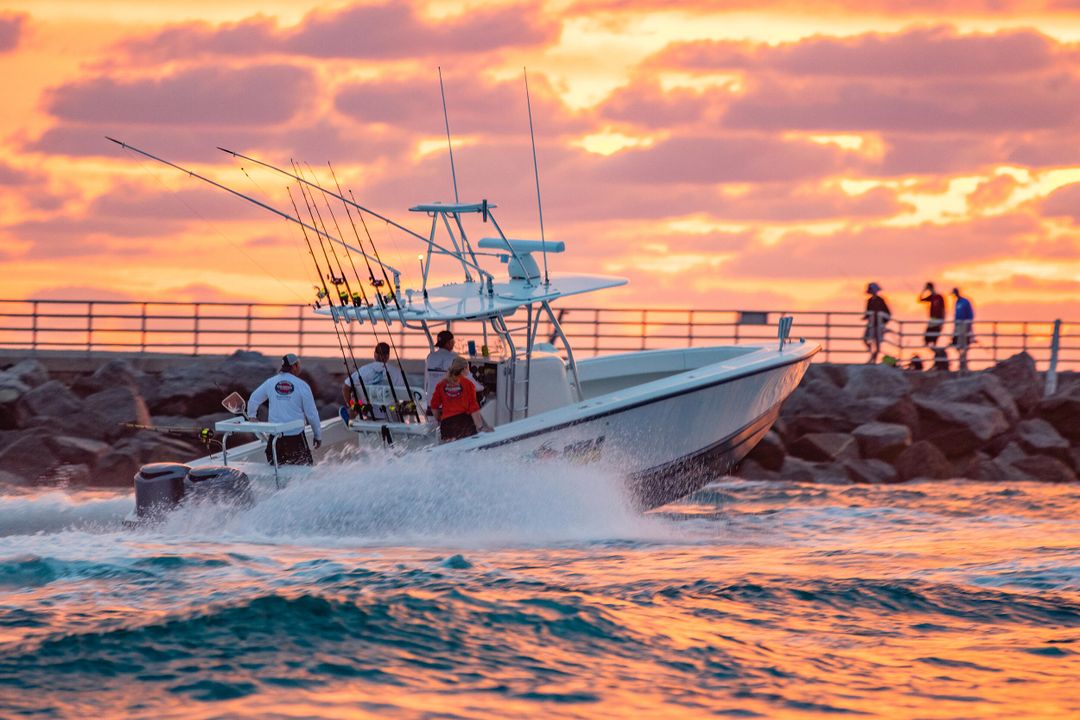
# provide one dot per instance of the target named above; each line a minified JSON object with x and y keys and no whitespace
{"x":877,"y":314}
{"x":937,"y":314}
{"x":963,"y":317}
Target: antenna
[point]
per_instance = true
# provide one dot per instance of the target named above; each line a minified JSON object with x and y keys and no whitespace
{"x":446,"y":117}
{"x":536,"y":173}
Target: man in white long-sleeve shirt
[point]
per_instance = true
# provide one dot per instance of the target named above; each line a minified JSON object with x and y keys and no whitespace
{"x":290,"y":399}
{"x":438,"y":362}
{"x":374,"y":374}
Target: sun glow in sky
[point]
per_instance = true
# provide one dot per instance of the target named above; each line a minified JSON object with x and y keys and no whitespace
{"x":741,"y":154}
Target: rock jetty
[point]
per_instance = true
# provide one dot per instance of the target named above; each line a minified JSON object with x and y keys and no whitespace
{"x":845,"y":423}
{"x":73,"y":432}
{"x":880,"y":424}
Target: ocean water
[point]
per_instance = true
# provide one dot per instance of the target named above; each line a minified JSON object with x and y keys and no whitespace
{"x":384,"y":589}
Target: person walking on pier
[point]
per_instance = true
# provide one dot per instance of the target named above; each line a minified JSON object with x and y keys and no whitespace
{"x":937,"y":314}
{"x":290,"y":398}
{"x":877,"y":315}
{"x":963,"y":317}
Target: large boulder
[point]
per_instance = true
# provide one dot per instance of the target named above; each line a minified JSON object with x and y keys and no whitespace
{"x":77,"y":450}
{"x":923,"y":460}
{"x":29,"y":456}
{"x":980,"y":389}
{"x":11,"y":390}
{"x":1020,"y":379}
{"x":1045,"y":469}
{"x":877,"y":381}
{"x":870,"y":471}
{"x":799,"y":470}
{"x":959,"y":428}
{"x":1038,"y":437}
{"x":826,"y":447}
{"x":996,"y":471}
{"x":48,"y":401}
{"x":769,"y":453}
{"x":113,"y":373}
{"x":107,"y":412}
{"x":883,"y":441}
{"x":30,"y":372}
{"x":750,"y":470}
{"x":116,"y":469}
{"x":1062,"y":410}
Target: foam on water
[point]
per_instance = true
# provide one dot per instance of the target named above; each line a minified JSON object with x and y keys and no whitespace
{"x":55,"y":511}
{"x":455,"y":499}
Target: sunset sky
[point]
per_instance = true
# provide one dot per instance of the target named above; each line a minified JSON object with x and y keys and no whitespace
{"x":758,"y":155}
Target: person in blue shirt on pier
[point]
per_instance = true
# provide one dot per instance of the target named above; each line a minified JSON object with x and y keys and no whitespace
{"x":963,"y":317}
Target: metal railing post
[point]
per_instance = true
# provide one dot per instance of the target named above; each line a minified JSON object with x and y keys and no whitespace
{"x":195,"y":340}
{"x":644,"y":326}
{"x":89,"y":326}
{"x":995,"y":340}
{"x":690,"y":329}
{"x":142,"y":329}
{"x":828,"y":334}
{"x":33,"y":325}
{"x":247,"y":326}
{"x":300,"y":330}
{"x":596,"y":331}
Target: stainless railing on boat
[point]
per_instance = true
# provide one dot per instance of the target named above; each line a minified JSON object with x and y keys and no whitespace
{"x":214,"y":328}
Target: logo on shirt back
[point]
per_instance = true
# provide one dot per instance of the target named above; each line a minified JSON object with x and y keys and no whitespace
{"x":452,"y":391}
{"x":284,"y":387}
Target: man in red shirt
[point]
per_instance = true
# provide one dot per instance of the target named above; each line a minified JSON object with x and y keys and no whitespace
{"x":455,"y":406}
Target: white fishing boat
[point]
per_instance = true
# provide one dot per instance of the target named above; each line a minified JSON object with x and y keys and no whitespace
{"x":668,"y":420}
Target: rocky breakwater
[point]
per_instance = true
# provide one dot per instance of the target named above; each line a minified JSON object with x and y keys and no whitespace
{"x":73,"y":432}
{"x":879,"y":424}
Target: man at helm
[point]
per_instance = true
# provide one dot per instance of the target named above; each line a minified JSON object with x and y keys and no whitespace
{"x":438,"y":363}
{"x":290,"y":399}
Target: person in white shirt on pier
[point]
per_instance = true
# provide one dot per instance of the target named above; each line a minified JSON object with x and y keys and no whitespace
{"x":290,"y":399}
{"x":374,"y":374}
{"x":438,"y":364}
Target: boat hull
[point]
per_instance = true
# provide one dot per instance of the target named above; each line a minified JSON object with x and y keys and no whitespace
{"x":667,"y":436}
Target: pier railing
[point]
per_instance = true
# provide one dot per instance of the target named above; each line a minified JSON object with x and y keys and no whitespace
{"x":214,"y":328}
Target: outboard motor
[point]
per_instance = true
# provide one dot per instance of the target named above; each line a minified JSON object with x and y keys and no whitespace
{"x":159,"y":487}
{"x":218,"y":484}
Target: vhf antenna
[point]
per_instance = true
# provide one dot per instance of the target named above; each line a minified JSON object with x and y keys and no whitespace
{"x":536,"y":173}
{"x":446,"y":118}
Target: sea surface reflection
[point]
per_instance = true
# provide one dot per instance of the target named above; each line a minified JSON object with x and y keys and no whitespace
{"x":544,"y":595}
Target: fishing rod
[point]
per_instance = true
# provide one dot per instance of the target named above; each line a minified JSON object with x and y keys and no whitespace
{"x":313,"y":210}
{"x":382,"y":302}
{"x":426,"y":240}
{"x":536,"y":174}
{"x":241,"y":195}
{"x":341,"y":279}
{"x":205,"y":434}
{"x":411,"y":404}
{"x":356,"y":273}
{"x":337,"y":330}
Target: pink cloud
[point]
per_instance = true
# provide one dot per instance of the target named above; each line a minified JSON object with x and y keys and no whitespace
{"x":387,"y":30}
{"x":689,"y":159}
{"x":12,"y":176}
{"x":888,"y":252}
{"x":12,"y":27}
{"x":212,"y":95}
{"x":317,"y":141}
{"x":474,"y":105}
{"x":1063,"y":202}
{"x":920,"y":53}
